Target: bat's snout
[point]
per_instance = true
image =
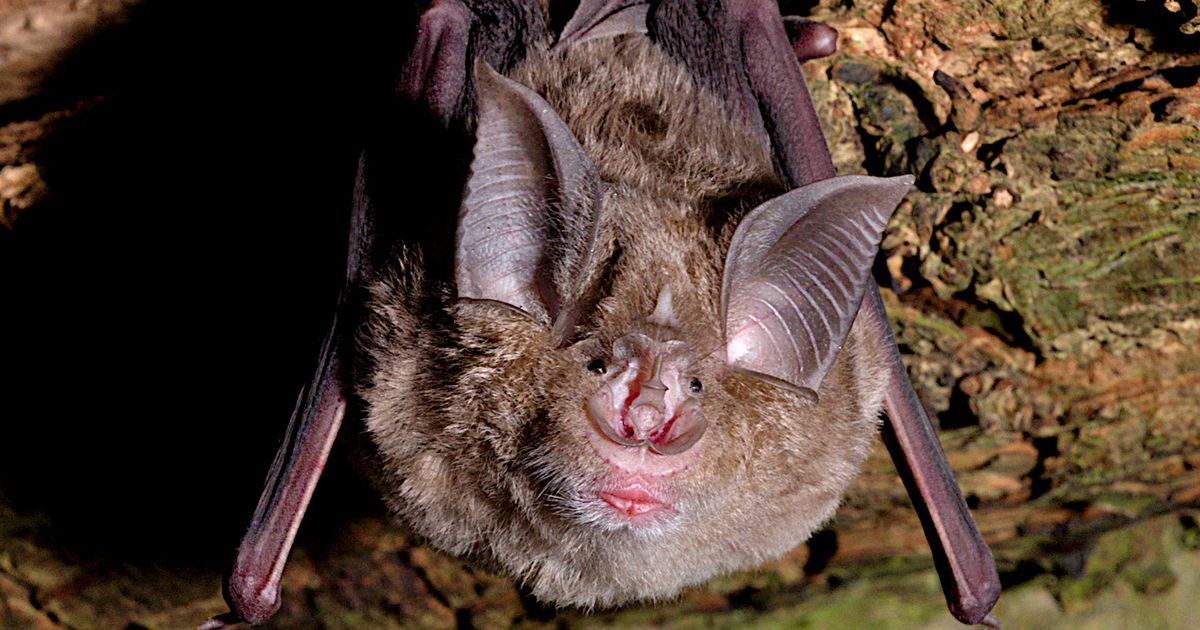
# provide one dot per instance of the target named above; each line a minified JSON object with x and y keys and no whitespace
{"x":649,"y":408}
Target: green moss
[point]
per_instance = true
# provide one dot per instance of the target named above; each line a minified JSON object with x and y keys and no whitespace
{"x":1136,"y":556}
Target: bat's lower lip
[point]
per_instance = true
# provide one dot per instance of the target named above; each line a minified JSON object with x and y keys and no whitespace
{"x":633,"y":501}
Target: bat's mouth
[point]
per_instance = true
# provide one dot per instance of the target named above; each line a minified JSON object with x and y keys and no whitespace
{"x":633,"y":500}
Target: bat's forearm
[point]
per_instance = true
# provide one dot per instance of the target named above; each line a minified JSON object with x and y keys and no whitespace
{"x":962,"y":558}
{"x":252,"y":587}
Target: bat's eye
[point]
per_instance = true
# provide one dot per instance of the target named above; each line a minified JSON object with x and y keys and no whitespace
{"x":697,"y":386}
{"x":597,"y":366}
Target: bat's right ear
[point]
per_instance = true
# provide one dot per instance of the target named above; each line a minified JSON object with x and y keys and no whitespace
{"x":795,"y":275}
{"x":528,"y":222}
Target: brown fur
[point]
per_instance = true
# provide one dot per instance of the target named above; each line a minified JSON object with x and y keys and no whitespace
{"x":479,"y":420}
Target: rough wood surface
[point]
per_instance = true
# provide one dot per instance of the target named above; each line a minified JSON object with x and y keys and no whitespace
{"x":1047,"y":276}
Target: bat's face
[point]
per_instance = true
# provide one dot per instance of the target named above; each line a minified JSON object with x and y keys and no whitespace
{"x":674,"y":467}
{"x":640,"y":442}
{"x":627,"y":465}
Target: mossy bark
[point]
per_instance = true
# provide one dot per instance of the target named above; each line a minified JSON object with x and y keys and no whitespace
{"x":1046,"y":275}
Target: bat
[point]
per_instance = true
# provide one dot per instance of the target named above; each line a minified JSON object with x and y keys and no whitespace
{"x":646,"y":349}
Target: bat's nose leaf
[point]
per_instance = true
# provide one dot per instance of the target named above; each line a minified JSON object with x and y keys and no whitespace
{"x":681,"y":434}
{"x":610,"y":432}
{"x":645,"y":419}
{"x":647,"y":411}
{"x":604,"y":417}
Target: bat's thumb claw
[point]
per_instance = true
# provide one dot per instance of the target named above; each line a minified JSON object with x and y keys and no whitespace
{"x":990,"y":621}
{"x":221,"y":621}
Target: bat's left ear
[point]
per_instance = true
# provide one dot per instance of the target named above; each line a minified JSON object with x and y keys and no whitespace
{"x":795,"y":275}
{"x":527,"y":227}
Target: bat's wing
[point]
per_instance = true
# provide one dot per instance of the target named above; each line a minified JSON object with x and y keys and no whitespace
{"x":594,"y":19}
{"x":252,"y":585}
{"x":741,"y":49}
{"x":434,"y":81}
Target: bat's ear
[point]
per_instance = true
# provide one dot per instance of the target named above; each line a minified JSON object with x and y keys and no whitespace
{"x":527,"y":224}
{"x":795,"y":275}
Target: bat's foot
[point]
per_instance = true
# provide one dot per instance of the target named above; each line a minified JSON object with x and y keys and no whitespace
{"x":809,"y":39}
{"x":221,"y":621}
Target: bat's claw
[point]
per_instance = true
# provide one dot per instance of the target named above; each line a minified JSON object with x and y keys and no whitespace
{"x":221,"y":621}
{"x":990,"y":621}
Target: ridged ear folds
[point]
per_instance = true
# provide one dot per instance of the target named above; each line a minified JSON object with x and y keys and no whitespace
{"x":527,"y":225}
{"x":795,"y":275}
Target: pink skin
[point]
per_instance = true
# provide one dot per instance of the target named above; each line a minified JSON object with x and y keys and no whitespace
{"x":645,"y":424}
{"x":633,"y":498}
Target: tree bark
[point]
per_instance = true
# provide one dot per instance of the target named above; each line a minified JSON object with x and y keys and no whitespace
{"x":1046,"y":276}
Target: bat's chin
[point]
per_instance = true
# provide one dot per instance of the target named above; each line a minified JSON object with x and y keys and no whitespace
{"x":637,"y":490}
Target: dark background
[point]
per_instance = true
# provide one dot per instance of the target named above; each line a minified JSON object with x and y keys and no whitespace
{"x":161,"y":310}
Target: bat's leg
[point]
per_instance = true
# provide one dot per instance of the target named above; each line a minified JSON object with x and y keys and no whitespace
{"x":252,"y":586}
{"x":434,"y":79}
{"x":773,"y":72}
{"x":963,"y":560}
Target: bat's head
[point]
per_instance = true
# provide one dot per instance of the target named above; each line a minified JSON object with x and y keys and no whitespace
{"x":656,"y":464}
{"x":618,"y":426}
